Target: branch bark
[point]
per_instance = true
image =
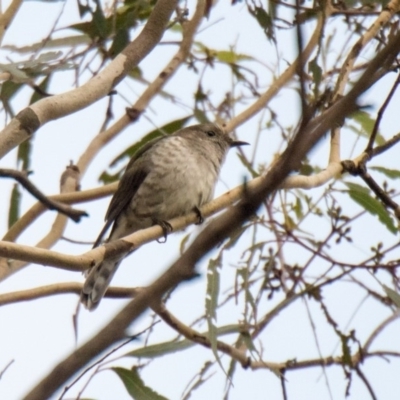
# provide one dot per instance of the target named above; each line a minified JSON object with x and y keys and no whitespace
{"x":29,"y":120}
{"x":217,"y":231}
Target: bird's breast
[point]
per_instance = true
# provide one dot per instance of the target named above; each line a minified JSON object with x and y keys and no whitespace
{"x":180,"y":180}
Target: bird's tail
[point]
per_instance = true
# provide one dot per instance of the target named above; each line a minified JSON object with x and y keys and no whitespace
{"x":97,"y":282}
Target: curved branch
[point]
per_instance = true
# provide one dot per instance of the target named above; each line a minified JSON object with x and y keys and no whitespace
{"x":31,"y":118}
{"x":214,"y":233}
{"x":264,"y":99}
{"x":22,"y":178}
{"x":68,"y":198}
{"x":7,"y":17}
{"x":189,"y":30}
{"x":61,"y":288}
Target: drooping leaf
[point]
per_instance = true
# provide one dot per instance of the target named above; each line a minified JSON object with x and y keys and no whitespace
{"x":248,"y":166}
{"x":316,"y":72}
{"x":83,"y":9}
{"x":99,"y":21}
{"x":230,"y":57}
{"x":120,"y":41}
{"x":362,"y":196}
{"x":366,"y":123}
{"x":15,"y":203}
{"x":212,"y":288}
{"x":135,"y":385}
{"x":393,"y":295}
{"x":390,"y":173}
{"x":42,"y":88}
{"x":201,"y":379}
{"x":16,"y":73}
{"x":263,"y":19}
{"x":8,"y":90}
{"x":235,"y":236}
{"x":24,"y":154}
{"x":184,"y":241}
{"x":68,"y":41}
{"x":213,"y":279}
{"x":201,"y":116}
{"x":127,"y":16}
{"x":161,"y":349}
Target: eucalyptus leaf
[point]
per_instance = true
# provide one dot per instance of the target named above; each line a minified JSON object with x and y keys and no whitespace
{"x":135,"y":385}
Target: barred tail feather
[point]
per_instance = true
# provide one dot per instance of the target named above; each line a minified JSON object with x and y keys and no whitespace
{"x":97,"y":282}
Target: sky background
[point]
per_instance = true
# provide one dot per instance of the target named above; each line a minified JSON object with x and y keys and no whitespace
{"x":38,"y":334}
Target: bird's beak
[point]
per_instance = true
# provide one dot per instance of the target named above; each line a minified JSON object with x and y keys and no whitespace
{"x":237,"y":143}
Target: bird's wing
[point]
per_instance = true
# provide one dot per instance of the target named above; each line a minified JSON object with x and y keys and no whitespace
{"x":135,"y":173}
{"x":127,"y":188}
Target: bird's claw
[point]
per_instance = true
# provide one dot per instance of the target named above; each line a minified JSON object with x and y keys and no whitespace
{"x":166,"y":227}
{"x":199,"y":216}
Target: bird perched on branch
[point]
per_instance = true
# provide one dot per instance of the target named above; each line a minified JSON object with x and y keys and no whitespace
{"x":167,"y":178}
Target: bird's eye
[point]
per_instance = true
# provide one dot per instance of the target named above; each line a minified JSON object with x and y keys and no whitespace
{"x":210,"y":133}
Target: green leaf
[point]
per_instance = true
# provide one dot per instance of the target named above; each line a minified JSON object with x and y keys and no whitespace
{"x":390,"y":173}
{"x":127,"y":16}
{"x":135,"y":385}
{"x":361,"y":195}
{"x":99,"y":21}
{"x":201,"y":116}
{"x":120,"y":41}
{"x":24,"y":154}
{"x":248,"y":341}
{"x":316,"y":72}
{"x":15,"y":203}
{"x":201,"y":380}
{"x":235,"y":236}
{"x":43,"y":87}
{"x":8,"y":90}
{"x":248,"y":166}
{"x":366,"y":123}
{"x":298,"y":208}
{"x":212,"y":288}
{"x":393,"y":295}
{"x":230,"y":57}
{"x":161,"y":349}
{"x":264,"y":20}
{"x":213,"y":278}
{"x":184,"y":241}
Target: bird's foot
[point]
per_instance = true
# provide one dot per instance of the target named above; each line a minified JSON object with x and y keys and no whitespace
{"x":166,"y":227}
{"x":199,"y":215}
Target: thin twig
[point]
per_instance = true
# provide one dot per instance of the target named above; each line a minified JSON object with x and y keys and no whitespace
{"x":366,"y":382}
{"x":21,"y":177}
{"x":390,"y":143}
{"x":380,"y":115}
{"x":5,"y":368}
{"x":98,"y":362}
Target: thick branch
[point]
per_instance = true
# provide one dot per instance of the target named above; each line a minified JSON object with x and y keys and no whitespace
{"x":31,"y":118}
{"x":217,"y":231}
{"x":61,"y":288}
{"x":189,"y":30}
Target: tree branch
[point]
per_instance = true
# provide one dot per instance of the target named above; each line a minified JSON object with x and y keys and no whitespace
{"x":22,"y":178}
{"x":215,"y":232}
{"x":31,"y":118}
{"x":61,"y":288}
{"x":103,"y":138}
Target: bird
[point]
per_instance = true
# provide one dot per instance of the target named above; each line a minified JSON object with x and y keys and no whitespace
{"x":166,"y":178}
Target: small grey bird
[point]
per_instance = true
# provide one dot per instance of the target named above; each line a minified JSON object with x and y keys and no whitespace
{"x":169,"y":177}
